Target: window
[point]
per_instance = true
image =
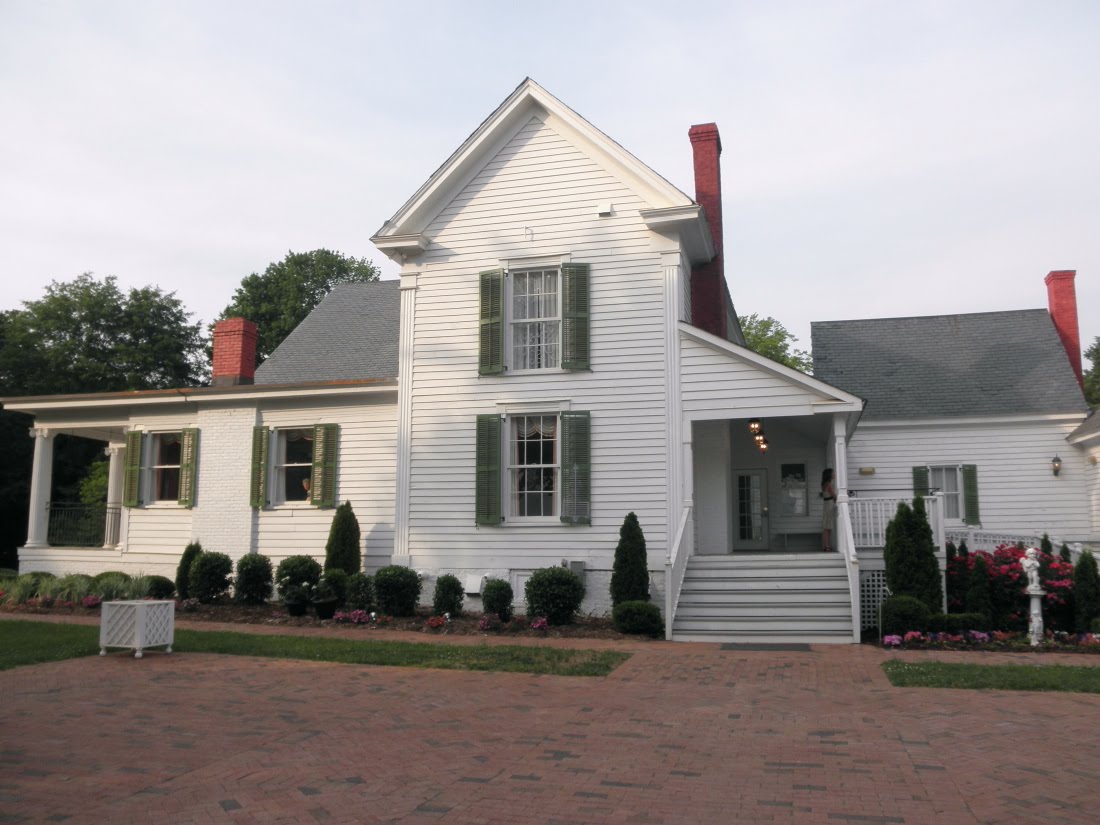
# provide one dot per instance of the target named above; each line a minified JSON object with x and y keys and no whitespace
{"x":293,"y":464}
{"x":958,"y":486}
{"x":165,"y":451}
{"x":946,"y":480}
{"x":535,"y":320}
{"x":533,"y":465}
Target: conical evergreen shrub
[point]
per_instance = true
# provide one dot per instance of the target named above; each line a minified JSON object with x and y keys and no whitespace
{"x":183,"y":572}
{"x":1086,"y":591}
{"x":910,"y":556}
{"x":630,"y":573}
{"x":342,"y":548}
{"x":1065,"y":554}
{"x":978,"y":597}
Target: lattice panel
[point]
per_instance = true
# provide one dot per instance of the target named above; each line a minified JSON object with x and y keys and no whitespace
{"x":872,"y":591}
{"x":159,"y":624}
{"x":119,"y":628}
{"x":136,"y":625}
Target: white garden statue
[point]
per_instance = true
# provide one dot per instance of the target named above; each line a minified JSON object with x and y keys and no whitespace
{"x":1030,"y":565}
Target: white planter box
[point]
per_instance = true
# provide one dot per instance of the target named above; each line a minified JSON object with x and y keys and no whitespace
{"x":137,"y":625}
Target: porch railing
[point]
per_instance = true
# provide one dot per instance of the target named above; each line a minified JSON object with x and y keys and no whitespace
{"x":82,"y":525}
{"x":675,"y":565}
{"x":871,"y":515}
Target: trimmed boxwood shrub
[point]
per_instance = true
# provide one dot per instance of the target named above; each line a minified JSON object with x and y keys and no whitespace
{"x":360,"y":592}
{"x":337,"y":579}
{"x":98,"y":577}
{"x":397,"y":590}
{"x":957,"y":622}
{"x":900,"y":614}
{"x":159,"y":587}
{"x":642,"y":618}
{"x":630,"y":573}
{"x":342,"y":548}
{"x":297,"y":570}
{"x":496,"y":599}
{"x":254,"y":577}
{"x":556,"y":593}
{"x":209,"y":576}
{"x":183,"y":572}
{"x":448,"y":596}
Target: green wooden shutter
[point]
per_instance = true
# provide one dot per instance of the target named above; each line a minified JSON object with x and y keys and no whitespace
{"x":261,"y":440}
{"x":131,"y":480}
{"x":920,"y":481}
{"x":576,"y":468}
{"x":487,"y":483}
{"x":322,"y":488}
{"x":189,"y":458}
{"x":491,"y":341}
{"x":574,"y":317}
{"x":971,"y":514}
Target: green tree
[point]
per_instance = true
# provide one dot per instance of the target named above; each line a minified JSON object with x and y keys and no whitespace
{"x":910,"y":556}
{"x":979,"y":599}
{"x":83,"y":335}
{"x":1092,"y":377}
{"x":771,"y":339}
{"x":342,"y":549}
{"x":630,"y":572}
{"x":280,"y":298}
{"x":1086,"y":591}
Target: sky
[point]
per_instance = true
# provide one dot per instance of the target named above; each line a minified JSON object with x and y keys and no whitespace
{"x":880,"y":159}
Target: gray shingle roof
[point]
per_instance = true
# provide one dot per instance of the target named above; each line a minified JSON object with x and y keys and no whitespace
{"x":351,"y":335}
{"x":1089,"y":427}
{"x":986,"y":363}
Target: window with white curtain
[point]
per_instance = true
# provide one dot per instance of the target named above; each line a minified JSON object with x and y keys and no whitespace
{"x":533,"y":465}
{"x":163,"y":470}
{"x":948,"y":481}
{"x":535,"y":326}
{"x":293,"y":464}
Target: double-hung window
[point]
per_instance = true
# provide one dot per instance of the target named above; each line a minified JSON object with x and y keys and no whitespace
{"x":533,"y":466}
{"x":294,"y":464}
{"x":534,"y":318}
{"x":957,"y":485}
{"x":160,"y":467}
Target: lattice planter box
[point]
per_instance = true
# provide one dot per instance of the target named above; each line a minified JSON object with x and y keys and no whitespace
{"x":137,"y":625}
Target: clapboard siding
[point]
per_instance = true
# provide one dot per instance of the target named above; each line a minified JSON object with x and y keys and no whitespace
{"x":1092,"y":489}
{"x":538,"y":196}
{"x":1016,"y":488}
{"x":366,"y":475}
{"x":714,"y":384}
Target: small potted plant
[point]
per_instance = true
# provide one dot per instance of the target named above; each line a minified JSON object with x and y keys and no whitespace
{"x":296,"y":597}
{"x":325,"y":600}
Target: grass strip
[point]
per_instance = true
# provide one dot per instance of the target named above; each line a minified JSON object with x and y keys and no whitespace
{"x":24,"y":643}
{"x":1073,"y":679}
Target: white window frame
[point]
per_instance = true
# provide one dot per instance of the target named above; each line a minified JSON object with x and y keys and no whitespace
{"x":959,"y":493}
{"x":509,"y":469}
{"x":277,"y":467}
{"x":150,"y":468}
{"x":511,"y":322}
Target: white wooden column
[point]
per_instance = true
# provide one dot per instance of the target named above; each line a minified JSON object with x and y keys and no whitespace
{"x":678,"y":436}
{"x":840,"y":454}
{"x":401,"y":554}
{"x":38,"y":522}
{"x":115,"y":454}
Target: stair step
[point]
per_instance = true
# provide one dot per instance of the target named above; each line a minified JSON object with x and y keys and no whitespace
{"x":763,"y":597}
{"x":735,"y":613}
{"x":765,"y":585}
{"x":765,"y":623}
{"x":715,"y":636}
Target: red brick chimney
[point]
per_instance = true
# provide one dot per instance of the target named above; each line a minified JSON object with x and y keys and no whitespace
{"x":708,"y":281}
{"x":1062,"y":302}
{"x":234,"y":352}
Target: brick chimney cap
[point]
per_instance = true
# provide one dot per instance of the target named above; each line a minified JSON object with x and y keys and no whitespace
{"x":235,"y":325}
{"x":1060,"y":275}
{"x":705,"y":133}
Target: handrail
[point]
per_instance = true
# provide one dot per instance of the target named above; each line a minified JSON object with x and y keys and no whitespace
{"x":871,"y":515}
{"x":675,"y":564}
{"x":847,"y":545}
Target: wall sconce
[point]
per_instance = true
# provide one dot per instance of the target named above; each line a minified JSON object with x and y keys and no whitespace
{"x":1056,"y":465}
{"x":754,"y":426}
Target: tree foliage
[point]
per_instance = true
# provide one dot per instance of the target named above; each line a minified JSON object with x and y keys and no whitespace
{"x":1086,"y":591}
{"x":1092,"y":377}
{"x":342,"y":549}
{"x":771,"y":339}
{"x":630,"y":572}
{"x":910,"y":556}
{"x":284,"y":294}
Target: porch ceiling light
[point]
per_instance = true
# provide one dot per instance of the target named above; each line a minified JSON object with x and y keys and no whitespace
{"x":759,"y":436}
{"x":1056,"y":465}
{"x":763,"y":445}
{"x":754,"y":426}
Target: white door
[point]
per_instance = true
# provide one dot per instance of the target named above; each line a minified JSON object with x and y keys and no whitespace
{"x":750,"y":509}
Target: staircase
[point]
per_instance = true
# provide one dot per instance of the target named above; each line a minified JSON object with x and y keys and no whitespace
{"x":766,"y":598}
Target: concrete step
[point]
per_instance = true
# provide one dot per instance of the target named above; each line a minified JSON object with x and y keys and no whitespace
{"x":765,"y":624}
{"x":823,"y":638}
{"x":769,"y":583}
{"x":764,"y":597}
{"x":810,"y":612}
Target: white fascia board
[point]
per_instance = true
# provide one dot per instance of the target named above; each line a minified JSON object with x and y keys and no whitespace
{"x":843,"y":401}
{"x":689,"y":224}
{"x":975,"y":421}
{"x":527,"y":101}
{"x":401,"y":247}
{"x":184,"y":396}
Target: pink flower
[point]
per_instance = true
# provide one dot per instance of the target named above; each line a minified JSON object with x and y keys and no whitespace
{"x":914,"y":636}
{"x":891,"y":641}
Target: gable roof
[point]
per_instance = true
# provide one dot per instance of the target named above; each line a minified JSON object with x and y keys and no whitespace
{"x":1089,"y":429}
{"x":350,"y":336}
{"x":985,"y":363}
{"x":401,"y":236}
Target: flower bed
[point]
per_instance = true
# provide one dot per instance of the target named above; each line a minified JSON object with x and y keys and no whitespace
{"x":999,"y":640}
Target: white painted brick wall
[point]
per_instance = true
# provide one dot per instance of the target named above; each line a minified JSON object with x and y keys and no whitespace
{"x":222,"y":519}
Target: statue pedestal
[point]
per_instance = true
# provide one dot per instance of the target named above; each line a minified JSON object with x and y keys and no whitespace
{"x":1035,"y":621}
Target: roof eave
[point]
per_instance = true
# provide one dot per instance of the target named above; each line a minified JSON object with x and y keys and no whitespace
{"x":689,"y":224}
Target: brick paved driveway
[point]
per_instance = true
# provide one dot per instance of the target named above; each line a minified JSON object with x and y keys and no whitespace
{"x":679,"y":734}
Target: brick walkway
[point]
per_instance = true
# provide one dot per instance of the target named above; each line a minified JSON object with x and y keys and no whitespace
{"x":679,"y":734}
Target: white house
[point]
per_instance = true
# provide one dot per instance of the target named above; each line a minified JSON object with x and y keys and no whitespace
{"x":561,"y":349}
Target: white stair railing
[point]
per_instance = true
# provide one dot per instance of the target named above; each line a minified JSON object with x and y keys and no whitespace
{"x":676,"y":564}
{"x":871,"y":515}
{"x":847,"y":546}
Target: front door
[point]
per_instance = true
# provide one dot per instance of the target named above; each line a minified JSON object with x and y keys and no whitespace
{"x":750,"y":507}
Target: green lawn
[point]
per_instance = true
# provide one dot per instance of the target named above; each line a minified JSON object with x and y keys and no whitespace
{"x":993,"y":677}
{"x":28,"y":643}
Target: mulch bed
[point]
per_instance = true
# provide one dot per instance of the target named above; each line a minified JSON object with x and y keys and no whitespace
{"x":275,"y":616}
